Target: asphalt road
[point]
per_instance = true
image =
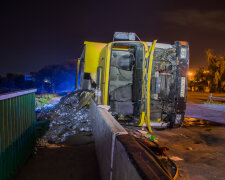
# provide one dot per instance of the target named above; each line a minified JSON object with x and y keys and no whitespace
{"x":215,"y":113}
{"x":200,"y":142}
{"x":200,"y":148}
{"x":197,"y":108}
{"x":200,"y":97}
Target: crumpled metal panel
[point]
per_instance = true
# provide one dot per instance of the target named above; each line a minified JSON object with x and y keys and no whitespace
{"x":122,"y":107}
{"x":123,"y":93}
{"x":119,"y":78}
{"x":122,"y":59}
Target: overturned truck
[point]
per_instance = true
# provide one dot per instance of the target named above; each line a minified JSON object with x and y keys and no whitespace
{"x":145,"y":82}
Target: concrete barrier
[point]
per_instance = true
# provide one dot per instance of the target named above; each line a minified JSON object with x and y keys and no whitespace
{"x":119,"y":155}
{"x":105,"y":129}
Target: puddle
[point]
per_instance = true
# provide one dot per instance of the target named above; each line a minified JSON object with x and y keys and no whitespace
{"x":194,"y":122}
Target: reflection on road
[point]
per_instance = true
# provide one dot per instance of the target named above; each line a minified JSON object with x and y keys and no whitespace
{"x":193,"y":122}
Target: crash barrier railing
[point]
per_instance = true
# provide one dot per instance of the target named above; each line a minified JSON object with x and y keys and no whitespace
{"x":216,"y":98}
{"x":17,"y":124}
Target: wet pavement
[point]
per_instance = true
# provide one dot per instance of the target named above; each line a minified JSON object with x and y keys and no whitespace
{"x":201,"y":147}
{"x":198,"y":147}
{"x":194,"y":122}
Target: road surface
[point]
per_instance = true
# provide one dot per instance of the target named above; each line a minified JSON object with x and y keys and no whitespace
{"x":75,"y":159}
{"x":200,"y":144}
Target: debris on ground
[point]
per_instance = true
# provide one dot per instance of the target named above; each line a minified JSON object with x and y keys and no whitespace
{"x":158,"y":150}
{"x":175,"y":158}
{"x":145,"y":134}
{"x":64,"y":120}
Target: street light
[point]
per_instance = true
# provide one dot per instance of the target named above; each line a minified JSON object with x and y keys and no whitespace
{"x":46,"y":81}
{"x":206,"y":72}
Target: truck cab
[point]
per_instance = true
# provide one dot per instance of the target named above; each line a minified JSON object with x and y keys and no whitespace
{"x":144,"y":82}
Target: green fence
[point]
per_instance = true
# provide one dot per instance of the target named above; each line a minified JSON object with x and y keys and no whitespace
{"x":17,"y":123}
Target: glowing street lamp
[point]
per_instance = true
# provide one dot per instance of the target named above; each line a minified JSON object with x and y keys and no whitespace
{"x":46,"y":81}
{"x":206,"y":72}
{"x":190,"y":73}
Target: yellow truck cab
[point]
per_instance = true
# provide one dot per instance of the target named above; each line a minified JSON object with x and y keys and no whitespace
{"x":146,"y":82}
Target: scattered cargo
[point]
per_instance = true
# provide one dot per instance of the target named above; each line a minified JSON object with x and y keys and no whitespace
{"x":63,"y":119}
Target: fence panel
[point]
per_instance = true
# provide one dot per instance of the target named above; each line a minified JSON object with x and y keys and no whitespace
{"x":17,"y":125}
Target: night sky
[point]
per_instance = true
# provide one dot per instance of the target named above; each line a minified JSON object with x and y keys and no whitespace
{"x":35,"y":34}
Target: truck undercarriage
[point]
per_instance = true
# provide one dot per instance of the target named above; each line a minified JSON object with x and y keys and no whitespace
{"x":125,"y":83}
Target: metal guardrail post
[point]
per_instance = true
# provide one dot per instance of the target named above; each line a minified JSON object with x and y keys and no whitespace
{"x":17,"y":118}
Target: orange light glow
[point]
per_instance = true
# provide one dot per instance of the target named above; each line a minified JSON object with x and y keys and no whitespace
{"x":205,"y":72}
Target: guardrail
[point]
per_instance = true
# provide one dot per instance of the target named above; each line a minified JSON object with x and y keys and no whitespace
{"x":17,"y":121}
{"x":216,"y":98}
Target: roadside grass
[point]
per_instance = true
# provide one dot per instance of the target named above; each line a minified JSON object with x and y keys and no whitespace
{"x":41,"y":100}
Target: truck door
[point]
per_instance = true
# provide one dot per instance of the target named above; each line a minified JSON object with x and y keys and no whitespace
{"x":90,"y":60}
